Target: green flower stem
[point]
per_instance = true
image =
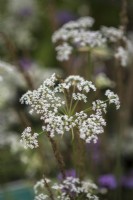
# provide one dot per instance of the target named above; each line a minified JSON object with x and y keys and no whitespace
{"x":71,"y":102}
{"x":74,"y":107}
{"x":66,"y":101}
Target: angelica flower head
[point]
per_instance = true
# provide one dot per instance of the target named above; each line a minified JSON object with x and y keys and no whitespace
{"x":75,"y":35}
{"x":56,"y":102}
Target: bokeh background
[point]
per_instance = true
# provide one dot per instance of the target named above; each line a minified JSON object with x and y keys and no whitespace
{"x":27,"y":57}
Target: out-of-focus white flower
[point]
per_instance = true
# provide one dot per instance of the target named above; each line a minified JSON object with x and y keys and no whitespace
{"x":24,"y":6}
{"x":83,"y":22}
{"x":86,"y":22}
{"x":1,"y":78}
{"x":6,"y":66}
{"x":75,"y":35}
{"x":113,"y":98}
{"x":64,"y":51}
{"x":12,"y":78}
{"x":122,"y":56}
{"x":102,"y":81}
{"x":112,"y":34}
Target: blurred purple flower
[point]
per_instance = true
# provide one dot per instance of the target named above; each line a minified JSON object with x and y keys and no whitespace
{"x":25,"y":63}
{"x":25,"y":12}
{"x":69,"y":173}
{"x":99,"y":69}
{"x":127,"y":181}
{"x":107,"y":181}
{"x":64,"y":17}
{"x":95,"y":151}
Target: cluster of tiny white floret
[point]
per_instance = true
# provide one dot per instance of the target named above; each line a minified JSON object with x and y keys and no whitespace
{"x":99,"y":106}
{"x":122,"y":56}
{"x":90,"y":127}
{"x":64,"y":51}
{"x":44,"y":100}
{"x":58,"y":124}
{"x":79,"y":97}
{"x":71,"y":28}
{"x":59,"y":115}
{"x":80,"y":83}
{"x":70,"y":187}
{"x":76,"y":34}
{"x":112,"y":34}
{"x":89,"y":38}
{"x":113,"y":98}
{"x":29,"y":140}
{"x":83,"y":22}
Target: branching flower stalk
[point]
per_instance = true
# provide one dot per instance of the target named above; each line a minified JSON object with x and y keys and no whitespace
{"x":123,"y":15}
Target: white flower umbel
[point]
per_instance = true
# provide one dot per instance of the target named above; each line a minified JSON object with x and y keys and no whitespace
{"x":122,"y":56}
{"x":112,"y":34}
{"x":71,"y":28}
{"x":113,"y":98}
{"x":70,"y":188}
{"x":56,"y":102}
{"x":75,"y":35}
{"x":90,"y":127}
{"x":29,"y":140}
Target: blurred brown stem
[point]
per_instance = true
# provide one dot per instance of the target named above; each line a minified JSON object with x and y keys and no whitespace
{"x":58,"y":156}
{"x":79,"y":153}
{"x":123,"y":15}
